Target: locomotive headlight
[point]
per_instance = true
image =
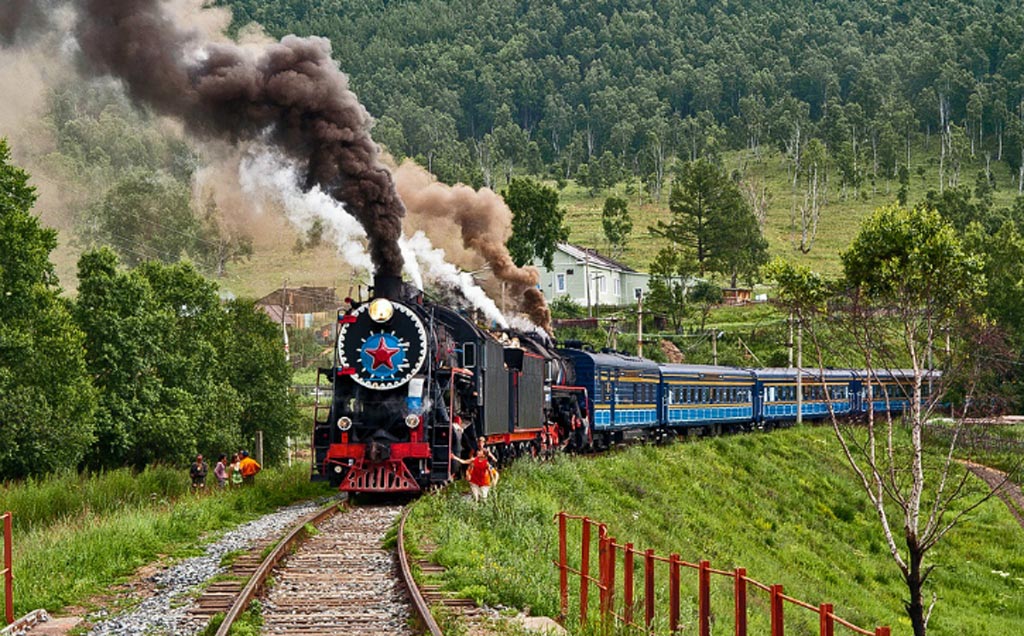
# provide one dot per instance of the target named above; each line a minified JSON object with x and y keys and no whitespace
{"x":412,"y":421}
{"x":337,"y":468}
{"x":345,"y":423}
{"x":381,"y":310}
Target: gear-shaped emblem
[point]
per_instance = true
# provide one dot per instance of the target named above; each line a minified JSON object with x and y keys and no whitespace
{"x":383,"y":355}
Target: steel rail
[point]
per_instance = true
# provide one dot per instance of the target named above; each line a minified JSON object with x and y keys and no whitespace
{"x":259,"y":577}
{"x":418,"y":601}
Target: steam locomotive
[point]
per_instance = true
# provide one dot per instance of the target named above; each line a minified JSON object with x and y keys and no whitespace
{"x":415,"y":382}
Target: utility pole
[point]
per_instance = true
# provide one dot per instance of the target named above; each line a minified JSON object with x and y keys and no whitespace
{"x":714,"y":347}
{"x":799,"y":371}
{"x":640,"y":324}
{"x":284,"y":320}
{"x":789,"y":343}
{"x":586,"y":278}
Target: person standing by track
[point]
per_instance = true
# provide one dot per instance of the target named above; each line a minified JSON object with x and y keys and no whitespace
{"x":248,"y":467}
{"x":197,"y":473}
{"x":479,"y":472}
{"x":220,"y":471}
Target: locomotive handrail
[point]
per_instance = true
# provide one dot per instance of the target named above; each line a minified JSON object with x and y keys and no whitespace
{"x":605,"y":581}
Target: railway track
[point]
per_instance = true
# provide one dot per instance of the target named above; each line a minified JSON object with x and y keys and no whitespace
{"x":337,"y":580}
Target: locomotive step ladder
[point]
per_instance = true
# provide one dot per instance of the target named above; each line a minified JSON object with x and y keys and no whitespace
{"x":440,"y":448}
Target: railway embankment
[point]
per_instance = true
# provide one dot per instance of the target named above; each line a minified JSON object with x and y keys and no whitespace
{"x":785,"y":506}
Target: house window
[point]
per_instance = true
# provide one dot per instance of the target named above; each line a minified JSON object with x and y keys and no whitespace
{"x":617,"y":287}
{"x":560,"y":282}
{"x":602,"y":284}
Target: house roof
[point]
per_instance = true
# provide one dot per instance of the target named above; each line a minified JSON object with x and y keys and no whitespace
{"x":275,"y":311}
{"x":302,"y":300}
{"x":583,"y":254}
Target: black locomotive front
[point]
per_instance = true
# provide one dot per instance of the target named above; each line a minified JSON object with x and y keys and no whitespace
{"x":379,"y":435}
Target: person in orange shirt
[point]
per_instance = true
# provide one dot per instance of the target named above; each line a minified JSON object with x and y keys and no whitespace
{"x":479,"y":472}
{"x":248,"y":467}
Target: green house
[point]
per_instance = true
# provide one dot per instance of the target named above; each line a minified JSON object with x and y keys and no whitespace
{"x":611,"y":282}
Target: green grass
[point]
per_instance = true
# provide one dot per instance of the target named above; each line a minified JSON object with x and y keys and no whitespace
{"x":785,"y":506}
{"x":43,"y":501}
{"x":839,"y":223}
{"x":78,"y":555}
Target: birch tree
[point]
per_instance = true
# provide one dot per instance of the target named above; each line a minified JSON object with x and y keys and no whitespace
{"x":907,"y":307}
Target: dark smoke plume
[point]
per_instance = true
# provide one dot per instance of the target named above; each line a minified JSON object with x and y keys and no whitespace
{"x":485,"y":222}
{"x":292,"y":91}
{"x":20,"y":18}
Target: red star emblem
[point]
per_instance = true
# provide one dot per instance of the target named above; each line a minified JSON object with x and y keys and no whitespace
{"x":382,"y":355}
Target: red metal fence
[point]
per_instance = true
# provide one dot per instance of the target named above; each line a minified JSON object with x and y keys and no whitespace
{"x":7,"y":571}
{"x":606,"y":584}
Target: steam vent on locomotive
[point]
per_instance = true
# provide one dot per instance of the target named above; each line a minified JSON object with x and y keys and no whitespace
{"x":405,"y":370}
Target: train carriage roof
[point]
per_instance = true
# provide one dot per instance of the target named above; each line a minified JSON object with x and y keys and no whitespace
{"x":610,"y":359}
{"x":698,"y":371}
{"x":812,"y":375}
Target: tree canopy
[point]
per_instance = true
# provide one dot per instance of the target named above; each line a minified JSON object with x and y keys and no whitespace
{"x":536,"y":221}
{"x":46,"y":397}
{"x":468,"y":87}
{"x":711,"y":219}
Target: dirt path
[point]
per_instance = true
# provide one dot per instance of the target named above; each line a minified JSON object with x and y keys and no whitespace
{"x":1005,"y":489}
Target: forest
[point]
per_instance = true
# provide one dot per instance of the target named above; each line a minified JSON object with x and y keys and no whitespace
{"x":684,"y":115}
{"x":602,"y":91}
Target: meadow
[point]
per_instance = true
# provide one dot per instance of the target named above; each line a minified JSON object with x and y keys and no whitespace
{"x":77,"y":536}
{"x":783,"y":505}
{"x":840,"y":220}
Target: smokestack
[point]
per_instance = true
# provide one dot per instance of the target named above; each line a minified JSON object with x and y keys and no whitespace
{"x":387,"y":286}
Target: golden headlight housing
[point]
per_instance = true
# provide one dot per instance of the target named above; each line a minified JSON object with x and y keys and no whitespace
{"x":381,"y":310}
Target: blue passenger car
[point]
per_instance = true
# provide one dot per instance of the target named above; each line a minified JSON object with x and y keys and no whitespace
{"x":890,"y":390}
{"x":705,"y":396}
{"x":623,"y":389}
{"x":775,"y":394}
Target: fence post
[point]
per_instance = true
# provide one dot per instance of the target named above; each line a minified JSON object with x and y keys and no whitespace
{"x":585,"y":571}
{"x":828,"y":625}
{"x":563,"y":568}
{"x":608,"y":599}
{"x":740,"y":598}
{"x":673,"y":592}
{"x":602,"y":572}
{"x":627,"y":583}
{"x":704,"y":597}
{"x":778,"y":628}
{"x":882,"y":631}
{"x":8,"y":573}
{"x":648,"y":588}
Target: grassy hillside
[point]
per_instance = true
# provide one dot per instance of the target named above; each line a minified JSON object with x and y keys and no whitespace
{"x":840,"y":220}
{"x":274,"y":260}
{"x":783,"y":505}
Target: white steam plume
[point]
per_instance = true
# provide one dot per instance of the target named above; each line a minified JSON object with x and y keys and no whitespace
{"x":269,"y":176}
{"x":411,"y":266}
{"x":444,"y":273}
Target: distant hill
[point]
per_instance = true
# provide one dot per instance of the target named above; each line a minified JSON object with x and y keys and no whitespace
{"x":608,"y":96}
